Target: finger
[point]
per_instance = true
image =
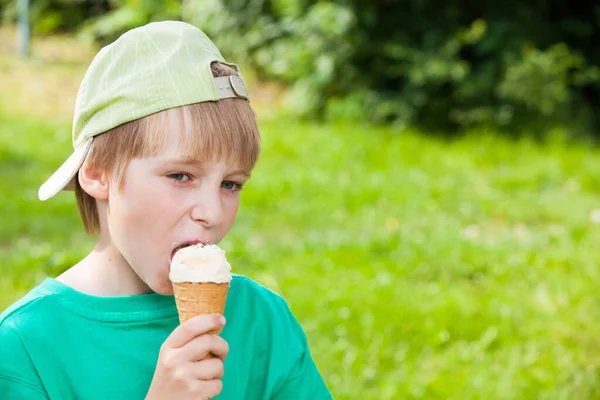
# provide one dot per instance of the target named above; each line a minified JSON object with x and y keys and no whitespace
{"x":199,"y":348}
{"x":193,"y":328}
{"x":212,"y":388}
{"x":208,"y":369}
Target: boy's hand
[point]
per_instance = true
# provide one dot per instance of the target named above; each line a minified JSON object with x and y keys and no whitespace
{"x":182,"y":372}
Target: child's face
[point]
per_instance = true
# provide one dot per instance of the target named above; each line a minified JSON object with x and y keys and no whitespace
{"x":166,"y":201}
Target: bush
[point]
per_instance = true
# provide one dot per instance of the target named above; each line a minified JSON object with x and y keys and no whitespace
{"x":51,"y":16}
{"x":128,"y":14}
{"x":436,"y":64}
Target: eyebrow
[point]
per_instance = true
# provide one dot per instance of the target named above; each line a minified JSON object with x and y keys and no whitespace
{"x":197,"y":163}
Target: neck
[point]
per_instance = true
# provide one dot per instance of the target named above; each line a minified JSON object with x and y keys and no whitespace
{"x":104,"y":272}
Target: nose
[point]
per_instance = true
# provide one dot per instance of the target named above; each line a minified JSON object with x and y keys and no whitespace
{"x":208,"y":208}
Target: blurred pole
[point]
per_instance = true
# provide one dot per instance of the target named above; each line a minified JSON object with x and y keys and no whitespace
{"x":23,"y":6}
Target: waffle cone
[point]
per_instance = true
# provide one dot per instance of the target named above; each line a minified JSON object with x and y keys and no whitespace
{"x":195,"y":299}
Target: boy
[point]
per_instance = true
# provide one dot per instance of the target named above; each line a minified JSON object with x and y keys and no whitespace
{"x":164,"y":140}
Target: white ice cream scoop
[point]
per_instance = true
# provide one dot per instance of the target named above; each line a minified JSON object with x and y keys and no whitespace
{"x":200,"y":263}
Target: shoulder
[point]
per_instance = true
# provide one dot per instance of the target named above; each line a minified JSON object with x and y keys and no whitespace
{"x":267,"y":310}
{"x":20,"y":313}
{"x":279,"y":339}
{"x":242,"y":285}
{"x":16,"y":323}
{"x":257,"y":298}
{"x":22,"y":306}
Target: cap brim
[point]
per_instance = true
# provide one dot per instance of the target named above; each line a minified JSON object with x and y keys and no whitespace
{"x":65,"y":173}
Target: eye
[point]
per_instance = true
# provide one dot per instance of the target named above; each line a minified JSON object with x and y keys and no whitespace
{"x":179,"y":177}
{"x":232,"y":186}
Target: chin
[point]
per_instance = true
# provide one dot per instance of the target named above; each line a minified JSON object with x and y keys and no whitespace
{"x":164,"y":288}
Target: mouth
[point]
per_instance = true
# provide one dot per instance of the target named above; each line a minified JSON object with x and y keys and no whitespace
{"x":187,"y":244}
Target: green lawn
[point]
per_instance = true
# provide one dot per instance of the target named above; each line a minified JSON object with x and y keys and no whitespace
{"x":419,"y":268}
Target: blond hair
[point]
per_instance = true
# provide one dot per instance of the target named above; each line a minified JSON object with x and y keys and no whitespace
{"x":225,"y":129}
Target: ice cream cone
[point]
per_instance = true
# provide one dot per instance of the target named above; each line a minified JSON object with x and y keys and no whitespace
{"x":197,"y":298}
{"x":200,"y":275}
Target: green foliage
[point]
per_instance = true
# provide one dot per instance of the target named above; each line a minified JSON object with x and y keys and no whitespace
{"x":50,"y":16}
{"x":547,"y":82}
{"x":129,"y":14}
{"x":303,"y":43}
{"x":440,"y":65}
{"x":100,"y":20}
{"x":292,"y":41}
{"x":436,"y":64}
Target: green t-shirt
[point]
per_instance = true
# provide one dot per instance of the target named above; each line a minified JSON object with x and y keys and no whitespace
{"x":58,"y":343}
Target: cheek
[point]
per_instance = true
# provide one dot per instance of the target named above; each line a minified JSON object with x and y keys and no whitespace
{"x":144,"y":216}
{"x":230,"y":207}
{"x":142,"y":225}
{"x":134,"y":212}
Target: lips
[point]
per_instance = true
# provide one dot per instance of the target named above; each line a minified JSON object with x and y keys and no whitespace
{"x":187,"y":244}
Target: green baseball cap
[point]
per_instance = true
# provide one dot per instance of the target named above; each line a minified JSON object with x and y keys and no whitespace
{"x":148,"y":69}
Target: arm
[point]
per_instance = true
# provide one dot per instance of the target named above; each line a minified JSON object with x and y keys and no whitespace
{"x":13,"y":389}
{"x":18,"y":376}
{"x":304,"y":380}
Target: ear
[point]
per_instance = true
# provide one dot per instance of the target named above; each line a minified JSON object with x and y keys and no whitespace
{"x":94,"y":182}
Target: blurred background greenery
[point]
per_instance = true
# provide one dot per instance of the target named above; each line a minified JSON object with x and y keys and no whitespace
{"x":427,"y":198}
{"x":517,"y":66}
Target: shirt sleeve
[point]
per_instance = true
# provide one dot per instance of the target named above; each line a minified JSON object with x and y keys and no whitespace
{"x":304,"y":380}
{"x":13,"y":389}
{"x":18,"y":376}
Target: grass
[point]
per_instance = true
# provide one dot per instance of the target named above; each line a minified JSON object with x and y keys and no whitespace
{"x":419,"y":268}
